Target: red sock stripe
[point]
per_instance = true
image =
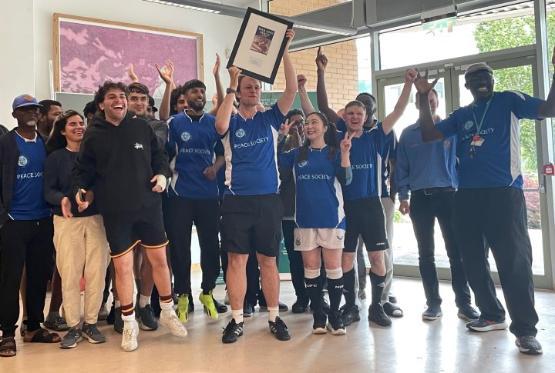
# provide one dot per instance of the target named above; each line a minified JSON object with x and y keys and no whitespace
{"x":127,"y":309}
{"x":166,"y":298}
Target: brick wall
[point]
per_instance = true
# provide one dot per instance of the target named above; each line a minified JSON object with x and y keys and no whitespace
{"x":342,"y":71}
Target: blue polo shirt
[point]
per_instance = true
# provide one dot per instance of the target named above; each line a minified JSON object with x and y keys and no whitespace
{"x":366,"y":162}
{"x":423,"y":165}
{"x":250,"y":147}
{"x":192,"y":145}
{"x":28,"y":201}
{"x":497,"y":162}
{"x":318,"y":196}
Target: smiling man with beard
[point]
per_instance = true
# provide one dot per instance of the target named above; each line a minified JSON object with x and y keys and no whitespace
{"x":490,"y":202}
{"x":26,"y":226}
{"x":196,"y":155}
{"x":121,"y":161}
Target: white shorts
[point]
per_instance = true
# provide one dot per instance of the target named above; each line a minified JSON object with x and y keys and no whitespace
{"x":307,"y":239}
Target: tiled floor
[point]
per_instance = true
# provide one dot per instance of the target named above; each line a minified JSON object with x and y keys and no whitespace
{"x":410,"y":345}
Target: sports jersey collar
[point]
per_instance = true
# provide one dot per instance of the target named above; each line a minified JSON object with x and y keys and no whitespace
{"x":188,"y":116}
{"x":27,"y":140}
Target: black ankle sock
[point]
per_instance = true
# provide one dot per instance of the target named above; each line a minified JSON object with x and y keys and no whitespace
{"x":335,"y":289}
{"x":313,"y":289}
{"x":349,"y":287}
{"x":378,"y":283}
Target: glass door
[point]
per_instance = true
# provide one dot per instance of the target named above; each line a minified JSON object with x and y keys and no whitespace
{"x":512,"y":71}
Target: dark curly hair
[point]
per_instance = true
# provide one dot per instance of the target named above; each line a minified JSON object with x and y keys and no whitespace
{"x":103,"y":89}
{"x":56,"y":140}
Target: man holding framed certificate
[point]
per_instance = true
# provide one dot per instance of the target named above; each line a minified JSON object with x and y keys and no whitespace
{"x":251,"y":210}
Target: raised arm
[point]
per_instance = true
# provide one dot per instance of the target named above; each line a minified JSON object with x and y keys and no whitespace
{"x":306,"y":105}
{"x":392,"y":118}
{"x":166,"y":73}
{"x":226,"y":108}
{"x":427,"y":126}
{"x":219,"y":87}
{"x":547,"y":108}
{"x":286,"y":100}
{"x":321,"y":93}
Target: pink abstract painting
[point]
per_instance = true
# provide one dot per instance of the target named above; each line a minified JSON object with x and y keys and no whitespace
{"x":92,"y":53}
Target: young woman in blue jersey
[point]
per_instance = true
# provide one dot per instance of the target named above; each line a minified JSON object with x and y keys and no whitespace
{"x":318,"y":169}
{"x":79,"y":236}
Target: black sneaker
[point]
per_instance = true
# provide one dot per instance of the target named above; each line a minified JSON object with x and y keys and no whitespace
{"x":72,"y":337}
{"x":349,"y":314}
{"x":529,"y":345}
{"x":248,"y":310}
{"x":118,"y":321}
{"x":56,"y":323}
{"x":377,"y":315}
{"x":336,"y":325}
{"x":279,"y":329}
{"x":319,"y":325}
{"x":232,"y":332}
{"x":300,"y":306}
{"x":93,"y":335}
{"x":146,"y":318}
{"x":392,"y":310}
{"x":483,"y":325}
{"x":468,"y":313}
{"x":392,"y":299}
{"x":220,"y":307}
{"x":432,"y":313}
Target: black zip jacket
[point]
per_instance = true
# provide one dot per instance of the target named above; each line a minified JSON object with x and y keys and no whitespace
{"x":9,"y":154}
{"x":118,"y":162}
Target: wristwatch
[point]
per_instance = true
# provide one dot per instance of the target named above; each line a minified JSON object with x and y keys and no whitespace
{"x":230,"y":90}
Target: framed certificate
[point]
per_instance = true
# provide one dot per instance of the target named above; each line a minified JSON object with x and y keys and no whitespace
{"x":260,"y":45}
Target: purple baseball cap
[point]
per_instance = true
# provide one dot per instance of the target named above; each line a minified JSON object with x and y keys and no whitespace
{"x":23,"y":101}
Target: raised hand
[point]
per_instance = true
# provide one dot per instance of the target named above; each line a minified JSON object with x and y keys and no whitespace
{"x":289,"y":34}
{"x":346,"y":143}
{"x":321,"y":60}
{"x":216,"y":68}
{"x":301,"y":82}
{"x":410,"y":75}
{"x":131,"y":73}
{"x":421,"y":83}
{"x":234,"y":73}
{"x":166,"y":72}
{"x":285,"y":127}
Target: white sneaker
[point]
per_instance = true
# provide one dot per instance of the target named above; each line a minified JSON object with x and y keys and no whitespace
{"x":129,"y":336}
{"x":170,"y":320}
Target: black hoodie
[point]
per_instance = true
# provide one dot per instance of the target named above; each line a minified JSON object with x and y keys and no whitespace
{"x":118,"y":162}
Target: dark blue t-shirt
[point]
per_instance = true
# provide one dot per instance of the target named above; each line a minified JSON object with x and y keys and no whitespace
{"x":250,"y":147}
{"x":28,"y":201}
{"x":192,"y":145}
{"x":318,"y":199}
{"x":366,"y":163}
{"x":496,"y":163}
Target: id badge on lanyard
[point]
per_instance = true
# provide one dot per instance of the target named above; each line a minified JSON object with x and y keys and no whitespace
{"x":477,"y":140}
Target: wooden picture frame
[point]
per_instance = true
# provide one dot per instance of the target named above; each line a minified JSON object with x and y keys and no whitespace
{"x":260,"y":45}
{"x":89,"y":51}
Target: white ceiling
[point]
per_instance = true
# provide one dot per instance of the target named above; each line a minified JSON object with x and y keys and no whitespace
{"x":238,"y":3}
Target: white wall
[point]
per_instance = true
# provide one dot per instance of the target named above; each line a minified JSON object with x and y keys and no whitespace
{"x":26,"y":38}
{"x":17,"y":74}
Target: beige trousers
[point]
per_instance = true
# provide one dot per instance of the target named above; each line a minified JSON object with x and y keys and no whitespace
{"x":81,"y":250}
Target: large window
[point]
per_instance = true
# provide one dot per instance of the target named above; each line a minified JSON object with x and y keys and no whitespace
{"x":468,"y":34}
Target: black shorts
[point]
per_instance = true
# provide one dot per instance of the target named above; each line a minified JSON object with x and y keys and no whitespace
{"x":365,"y":218}
{"x":126,"y":230}
{"x":252,"y":224}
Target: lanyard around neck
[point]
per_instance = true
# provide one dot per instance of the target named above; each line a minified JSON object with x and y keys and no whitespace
{"x":479,"y":125}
